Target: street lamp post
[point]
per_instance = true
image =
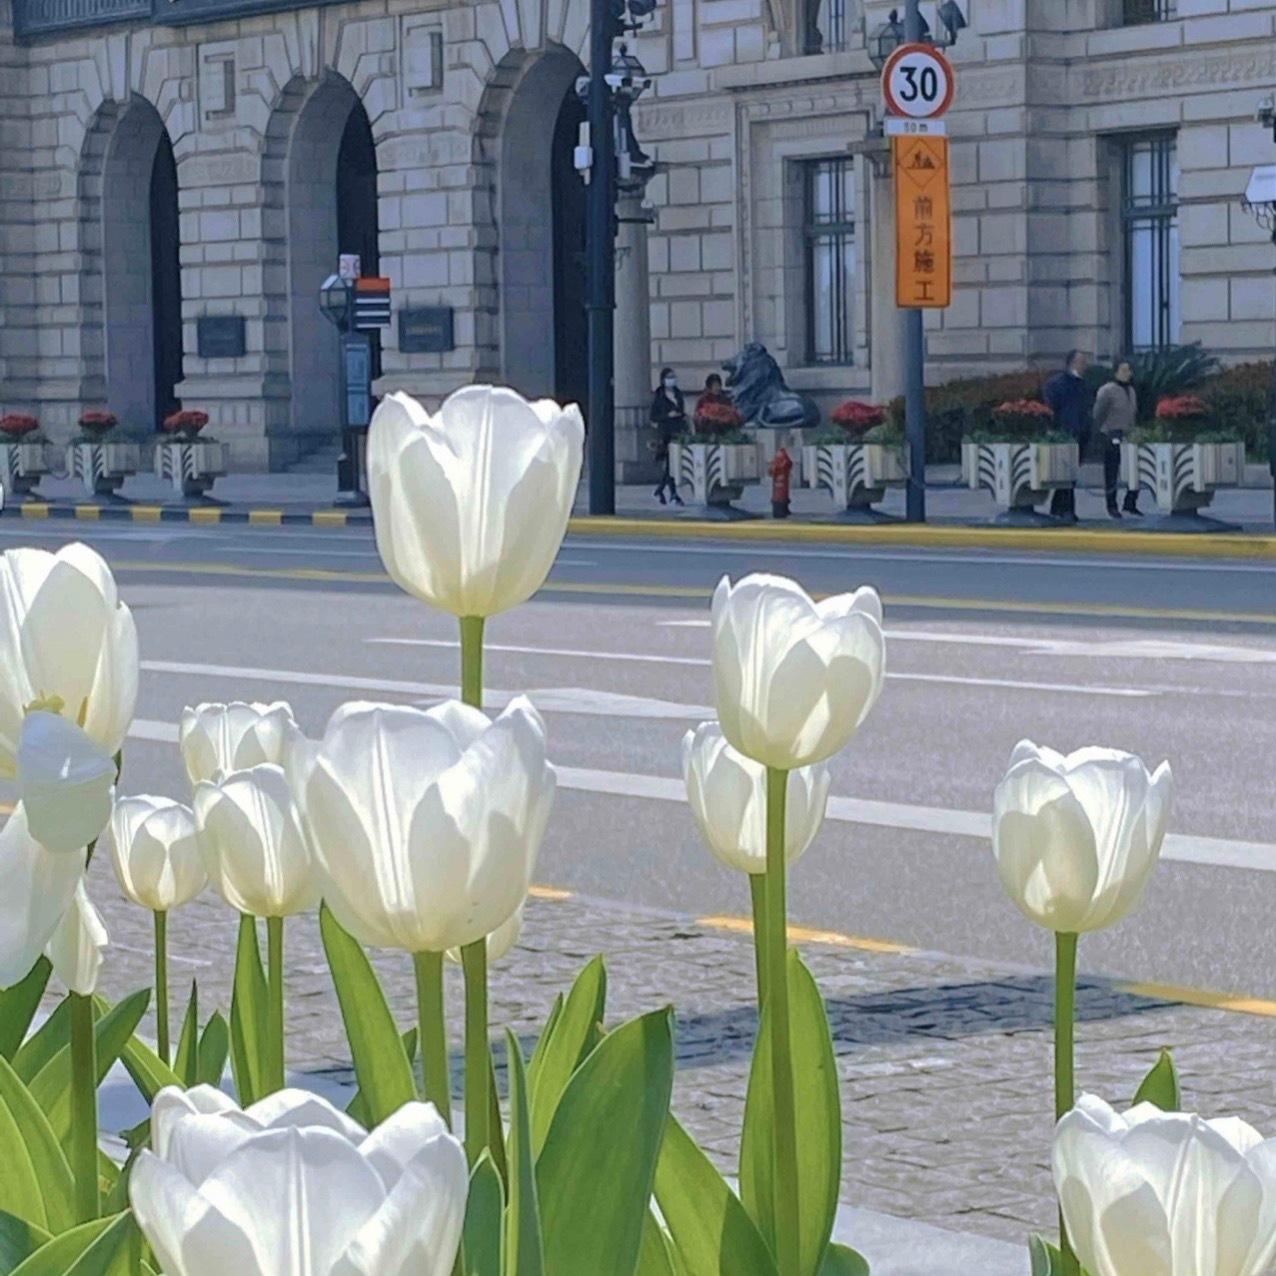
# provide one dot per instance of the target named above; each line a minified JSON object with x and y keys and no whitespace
{"x":1260,"y":201}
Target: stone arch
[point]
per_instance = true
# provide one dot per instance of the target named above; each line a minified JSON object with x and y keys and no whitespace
{"x":315,"y":124}
{"x":519,"y":117}
{"x":130,"y":285}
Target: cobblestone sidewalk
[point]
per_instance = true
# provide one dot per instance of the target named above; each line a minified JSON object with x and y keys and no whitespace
{"x":945,"y":1063}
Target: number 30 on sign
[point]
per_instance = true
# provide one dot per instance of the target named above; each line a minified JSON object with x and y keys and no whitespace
{"x":918,"y":82}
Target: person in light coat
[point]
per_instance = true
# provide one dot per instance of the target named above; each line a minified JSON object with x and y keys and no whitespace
{"x":1116,"y":411}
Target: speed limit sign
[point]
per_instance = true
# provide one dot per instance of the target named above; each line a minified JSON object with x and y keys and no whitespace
{"x":918,"y":82}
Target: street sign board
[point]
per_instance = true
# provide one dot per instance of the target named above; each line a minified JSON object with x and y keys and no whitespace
{"x":1262,"y":185}
{"x":894,"y":126}
{"x":918,"y":82}
{"x":372,"y":302}
{"x":220,"y":336}
{"x":426,"y":330}
{"x":923,"y":223}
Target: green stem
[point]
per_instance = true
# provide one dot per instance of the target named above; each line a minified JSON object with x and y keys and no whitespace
{"x":84,"y":1109}
{"x":275,"y":1002}
{"x":477,"y":1099}
{"x":1065,"y":1095}
{"x":436,"y":1081}
{"x":161,"y":986}
{"x":783,"y":1098}
{"x":757,"y":889}
{"x":472,"y":660}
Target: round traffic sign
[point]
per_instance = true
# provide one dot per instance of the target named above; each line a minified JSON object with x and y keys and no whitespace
{"x":918,"y":82}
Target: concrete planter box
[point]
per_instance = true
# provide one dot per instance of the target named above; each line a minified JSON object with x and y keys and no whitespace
{"x":190,"y":465}
{"x":716,"y":474}
{"x":857,"y":474}
{"x":795,"y":442}
{"x":1019,"y":475}
{"x":1183,"y":477}
{"x":22,"y":465}
{"x":102,"y":467}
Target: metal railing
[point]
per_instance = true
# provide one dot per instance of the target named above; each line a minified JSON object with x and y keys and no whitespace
{"x":1138,"y":11}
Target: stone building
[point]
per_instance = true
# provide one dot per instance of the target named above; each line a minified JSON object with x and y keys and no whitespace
{"x":167,"y":161}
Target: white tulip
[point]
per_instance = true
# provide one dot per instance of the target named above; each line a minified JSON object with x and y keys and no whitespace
{"x":471,"y":505}
{"x":427,"y":824}
{"x":1152,"y":1193}
{"x":39,"y":888}
{"x":501,"y":941}
{"x":794,"y":678}
{"x":78,"y":945}
{"x":252,"y":843}
{"x":292,"y":1185}
{"x":727,"y":794}
{"x":65,"y":780}
{"x":220,"y":738}
{"x":66,"y":641}
{"x":153,"y":845}
{"x":1076,"y":837}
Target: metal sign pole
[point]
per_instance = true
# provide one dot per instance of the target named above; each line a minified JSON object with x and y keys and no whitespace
{"x":915,"y":359}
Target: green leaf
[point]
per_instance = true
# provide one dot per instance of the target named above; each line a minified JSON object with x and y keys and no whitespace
{"x":564,"y":1047}
{"x":380,"y":1061}
{"x":1046,"y":1258}
{"x":51,"y":1087}
{"x":481,"y":1243}
{"x":595,"y":1174}
{"x":116,"y":1199}
{"x":524,"y":1254}
{"x":356,"y":1108}
{"x":711,"y":1230}
{"x":214,"y":1050}
{"x":185,"y":1063}
{"x":32,"y":1156}
{"x":1161,"y":1085}
{"x":819,"y":1124}
{"x":149,"y":1072}
{"x":841,"y":1260}
{"x":99,"y":1248}
{"x":495,"y":1122}
{"x":18,"y":1006}
{"x":51,"y":1036}
{"x":656,"y":1256}
{"x":19,"y":1239}
{"x":248,"y":1027}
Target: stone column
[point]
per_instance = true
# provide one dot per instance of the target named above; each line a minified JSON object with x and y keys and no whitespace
{"x":634,"y":461}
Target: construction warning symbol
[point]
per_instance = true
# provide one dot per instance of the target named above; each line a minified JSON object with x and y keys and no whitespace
{"x":923,"y":223}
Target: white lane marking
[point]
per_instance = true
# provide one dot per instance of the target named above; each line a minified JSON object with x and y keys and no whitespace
{"x":1215,"y":852}
{"x":1061,"y":688}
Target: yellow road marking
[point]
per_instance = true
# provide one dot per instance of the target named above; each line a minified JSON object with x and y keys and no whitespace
{"x":1235,"y":1002}
{"x":88,"y":513}
{"x":34,"y":509}
{"x":329,"y":518}
{"x":265,"y":518}
{"x":204,"y":515}
{"x":805,"y":935}
{"x":147,"y":513}
{"x":550,"y":892}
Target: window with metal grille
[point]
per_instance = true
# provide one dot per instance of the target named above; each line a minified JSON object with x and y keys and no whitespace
{"x":1149,"y":214}
{"x":1136,"y":11}
{"x":830,"y":259}
{"x":825,"y":26}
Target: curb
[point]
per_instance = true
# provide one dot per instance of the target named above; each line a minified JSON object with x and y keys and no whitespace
{"x":198,"y":514}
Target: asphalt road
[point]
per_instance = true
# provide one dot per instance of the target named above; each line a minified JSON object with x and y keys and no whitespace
{"x":1167,"y":658}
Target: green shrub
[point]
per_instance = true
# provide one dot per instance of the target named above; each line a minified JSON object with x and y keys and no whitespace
{"x":1240,"y":400}
{"x":960,"y":408}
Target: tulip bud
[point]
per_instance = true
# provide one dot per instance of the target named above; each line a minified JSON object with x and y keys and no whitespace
{"x":1152,"y":1193}
{"x":470,"y":506}
{"x":78,"y":945}
{"x":1077,"y":837}
{"x":727,"y":794}
{"x":251,"y":841}
{"x":65,"y":781}
{"x":427,"y":823}
{"x":153,"y":845}
{"x":293,"y":1185}
{"x":794,"y":678}
{"x":233,"y":737}
{"x":499,"y":942}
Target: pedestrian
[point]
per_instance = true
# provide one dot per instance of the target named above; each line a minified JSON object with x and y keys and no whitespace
{"x":1068,"y":397}
{"x":712,"y":396}
{"x":669,"y":417}
{"x":1116,"y":411}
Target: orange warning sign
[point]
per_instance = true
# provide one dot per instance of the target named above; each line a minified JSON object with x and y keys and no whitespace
{"x":923,"y":223}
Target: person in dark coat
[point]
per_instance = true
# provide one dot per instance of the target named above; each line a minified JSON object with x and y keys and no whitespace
{"x":713,"y":395}
{"x":669,"y":418}
{"x":1068,"y":397}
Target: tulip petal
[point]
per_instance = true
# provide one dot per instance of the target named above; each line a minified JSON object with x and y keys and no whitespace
{"x":173,"y":1105}
{"x":65,"y":782}
{"x":293,"y":1108}
{"x":198,"y":1143}
{"x":77,"y":947}
{"x":400,"y":1138}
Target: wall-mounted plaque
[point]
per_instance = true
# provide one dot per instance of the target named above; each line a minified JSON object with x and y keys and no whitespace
{"x":220,"y":336}
{"x":426,"y":330}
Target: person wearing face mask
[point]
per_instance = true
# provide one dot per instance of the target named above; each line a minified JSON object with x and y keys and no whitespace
{"x":1116,"y":411}
{"x":669,"y":418}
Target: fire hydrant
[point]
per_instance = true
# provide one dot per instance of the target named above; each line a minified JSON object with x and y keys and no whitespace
{"x":780,"y":468}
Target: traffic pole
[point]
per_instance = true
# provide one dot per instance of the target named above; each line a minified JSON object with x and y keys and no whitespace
{"x":915,"y":358}
{"x":601,"y":295}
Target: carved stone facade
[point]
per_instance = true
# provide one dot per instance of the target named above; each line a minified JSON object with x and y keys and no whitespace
{"x":464,"y":102}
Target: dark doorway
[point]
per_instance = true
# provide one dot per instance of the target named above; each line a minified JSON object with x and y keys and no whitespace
{"x":166,"y":280}
{"x":357,"y":228}
{"x":571,"y":356}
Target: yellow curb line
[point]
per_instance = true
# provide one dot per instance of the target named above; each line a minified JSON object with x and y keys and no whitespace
{"x":88,"y":513}
{"x":1159,"y":544}
{"x":34,"y":510}
{"x":265,"y":518}
{"x":147,"y":513}
{"x":204,"y":516}
{"x":1234,"y":1002}
{"x":805,"y":935}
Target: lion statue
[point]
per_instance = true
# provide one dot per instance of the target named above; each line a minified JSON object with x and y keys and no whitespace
{"x":759,"y":393}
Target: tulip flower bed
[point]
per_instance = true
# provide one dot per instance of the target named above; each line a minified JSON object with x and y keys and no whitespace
{"x":416,"y":832}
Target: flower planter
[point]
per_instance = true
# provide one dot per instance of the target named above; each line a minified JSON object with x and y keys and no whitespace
{"x":22,"y":466}
{"x":190,"y":465}
{"x":769,"y":441}
{"x":1020,"y":475}
{"x":102,"y":467}
{"x":716,"y":474}
{"x":1183,"y":478}
{"x":857,"y":474}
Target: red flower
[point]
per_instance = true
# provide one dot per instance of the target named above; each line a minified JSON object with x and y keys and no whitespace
{"x":857,"y":417}
{"x":16,"y":424}
{"x":714,"y":416}
{"x":98,"y":420}
{"x":188,"y":421}
{"x":1183,"y":407}
{"x":1029,"y":408}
